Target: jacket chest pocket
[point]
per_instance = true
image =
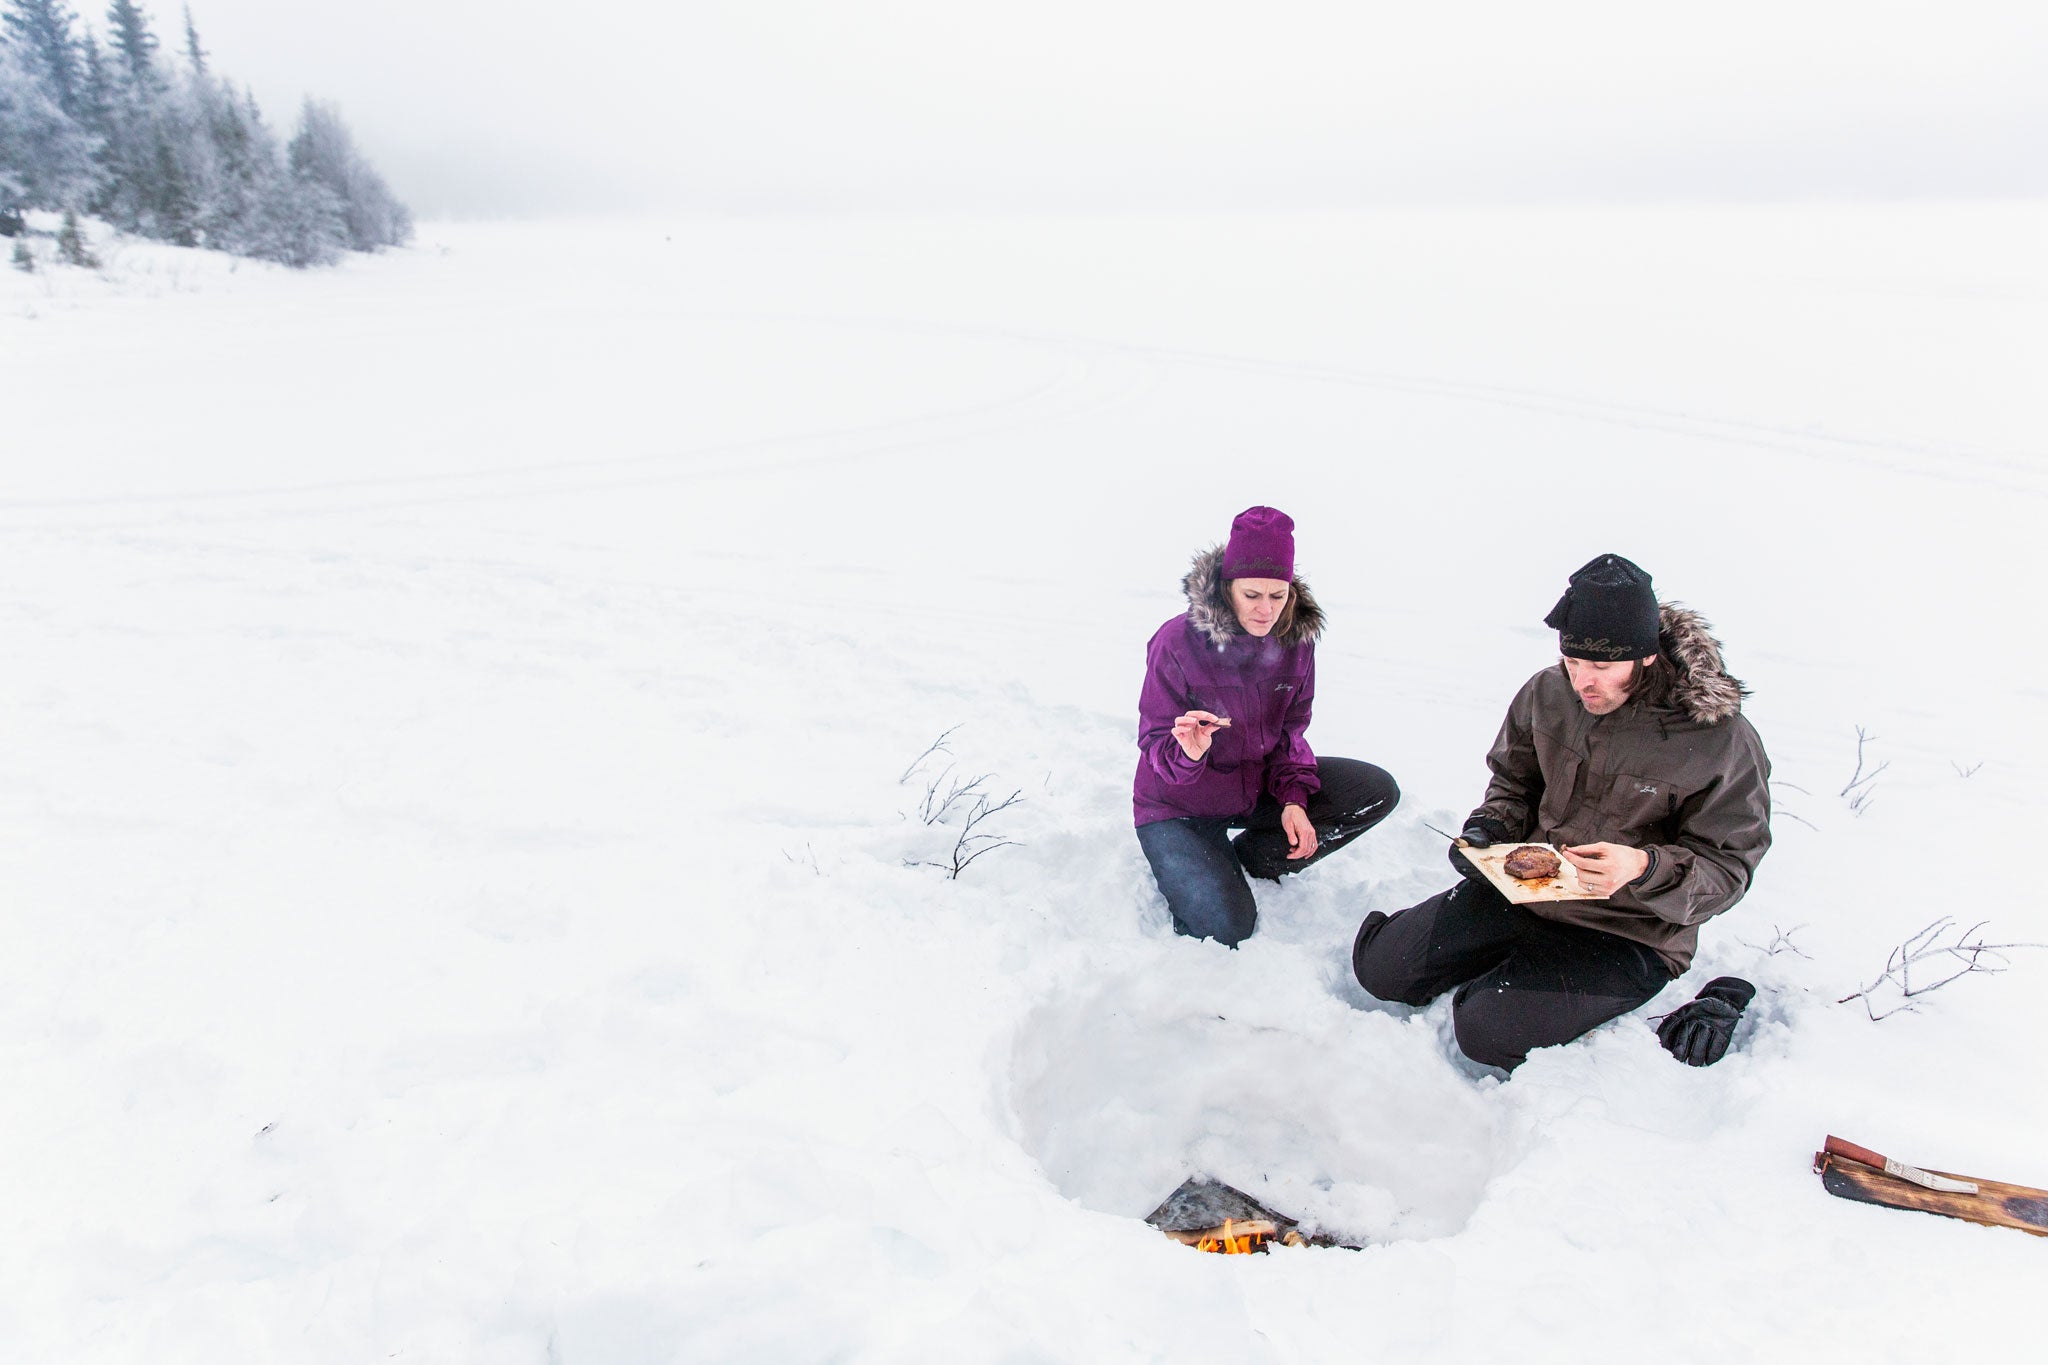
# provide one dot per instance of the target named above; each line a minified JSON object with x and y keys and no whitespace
{"x":1634,"y":803}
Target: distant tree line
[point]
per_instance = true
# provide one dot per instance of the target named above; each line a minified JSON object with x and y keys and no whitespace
{"x":165,"y":148}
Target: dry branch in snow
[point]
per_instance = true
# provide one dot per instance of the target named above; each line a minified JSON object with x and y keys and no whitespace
{"x":1781,"y":942}
{"x":937,"y":746}
{"x":1926,"y":953}
{"x":971,"y":844}
{"x":1858,"y":792}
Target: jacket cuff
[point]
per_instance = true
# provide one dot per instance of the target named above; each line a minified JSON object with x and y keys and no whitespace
{"x":1292,"y":796}
{"x":1649,"y":871}
{"x":1495,"y":830}
{"x":1657,"y":881}
{"x":1179,"y":767}
{"x":1647,"y":881}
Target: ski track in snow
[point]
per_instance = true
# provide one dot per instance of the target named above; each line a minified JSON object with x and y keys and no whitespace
{"x":474,"y":913}
{"x":1078,"y":390}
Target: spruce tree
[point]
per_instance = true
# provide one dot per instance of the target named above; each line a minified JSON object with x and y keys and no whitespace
{"x":137,"y":191}
{"x":71,"y":247}
{"x":194,"y":53}
{"x":95,"y":90}
{"x":46,"y":159}
{"x":43,"y":30}
{"x":133,"y":40}
{"x":113,"y":129}
{"x":173,"y":206}
{"x":323,"y":152}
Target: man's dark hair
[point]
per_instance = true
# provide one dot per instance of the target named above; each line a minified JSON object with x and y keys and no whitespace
{"x":1652,"y":685}
{"x":1649,"y":685}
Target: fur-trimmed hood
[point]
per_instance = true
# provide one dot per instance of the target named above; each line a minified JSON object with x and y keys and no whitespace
{"x":1210,"y":612}
{"x":1701,"y":686}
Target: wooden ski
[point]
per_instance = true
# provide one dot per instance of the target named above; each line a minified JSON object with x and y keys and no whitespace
{"x":1848,"y":1171}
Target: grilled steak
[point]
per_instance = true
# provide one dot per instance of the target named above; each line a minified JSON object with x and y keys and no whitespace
{"x":1531,"y":864}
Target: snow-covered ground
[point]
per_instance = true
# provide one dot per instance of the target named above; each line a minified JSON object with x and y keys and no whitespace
{"x":464,"y":901}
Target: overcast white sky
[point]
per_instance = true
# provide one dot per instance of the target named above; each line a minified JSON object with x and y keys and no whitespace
{"x":516,"y":106}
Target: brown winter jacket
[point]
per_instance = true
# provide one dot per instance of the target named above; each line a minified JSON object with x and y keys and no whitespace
{"x":1685,"y":781}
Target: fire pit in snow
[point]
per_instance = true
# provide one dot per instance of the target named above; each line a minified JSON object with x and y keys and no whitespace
{"x":1211,"y":1216}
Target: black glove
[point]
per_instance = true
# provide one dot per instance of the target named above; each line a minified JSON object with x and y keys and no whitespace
{"x":1698,"y":1031}
{"x":1479,"y":833}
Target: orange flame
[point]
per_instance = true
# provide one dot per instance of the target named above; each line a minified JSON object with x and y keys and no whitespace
{"x":1230,"y":1244}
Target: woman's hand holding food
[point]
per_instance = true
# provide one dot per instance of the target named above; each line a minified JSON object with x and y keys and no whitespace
{"x":1195,"y":730}
{"x":1301,"y":831}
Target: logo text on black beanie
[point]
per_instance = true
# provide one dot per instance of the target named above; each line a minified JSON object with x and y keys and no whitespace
{"x":1602,"y":648}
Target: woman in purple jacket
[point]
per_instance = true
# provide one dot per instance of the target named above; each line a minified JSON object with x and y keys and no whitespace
{"x":1222,"y":740}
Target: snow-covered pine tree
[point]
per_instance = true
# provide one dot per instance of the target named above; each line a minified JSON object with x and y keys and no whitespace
{"x":262,"y":209}
{"x":43,"y":30}
{"x":147,"y":190}
{"x":46,"y":159}
{"x":194,"y":53}
{"x":174,"y":206}
{"x":302,"y":223}
{"x":221,"y":147}
{"x":323,"y":152}
{"x":95,"y":88}
{"x":170,"y":152}
{"x":131,"y":37}
{"x":71,"y":247}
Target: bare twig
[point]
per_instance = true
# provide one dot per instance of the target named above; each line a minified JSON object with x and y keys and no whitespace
{"x":1781,"y":942}
{"x":1926,"y":952}
{"x":937,"y":746}
{"x":938,"y":803}
{"x":1970,"y":771}
{"x":1779,"y":809}
{"x":970,"y":844}
{"x":810,"y":859}
{"x":1858,"y":792}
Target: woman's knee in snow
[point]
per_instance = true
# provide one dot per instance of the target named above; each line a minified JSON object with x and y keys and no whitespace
{"x":1358,"y":790}
{"x":1378,"y":796}
{"x":1228,"y":923}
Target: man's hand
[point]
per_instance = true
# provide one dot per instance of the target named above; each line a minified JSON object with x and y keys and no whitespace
{"x":1195,"y":730}
{"x":1478,"y":836}
{"x":1606,"y":868}
{"x":1301,"y":833}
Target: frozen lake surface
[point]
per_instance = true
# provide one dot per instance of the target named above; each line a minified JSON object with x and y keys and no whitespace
{"x":465,"y":901}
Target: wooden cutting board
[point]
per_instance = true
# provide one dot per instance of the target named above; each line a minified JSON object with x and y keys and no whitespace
{"x":1563,"y":887}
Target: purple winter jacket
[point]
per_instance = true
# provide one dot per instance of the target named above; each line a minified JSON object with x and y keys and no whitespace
{"x":1203,"y":660}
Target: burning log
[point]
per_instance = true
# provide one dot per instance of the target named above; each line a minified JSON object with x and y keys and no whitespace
{"x":1211,"y":1216}
{"x":1235,"y":1238}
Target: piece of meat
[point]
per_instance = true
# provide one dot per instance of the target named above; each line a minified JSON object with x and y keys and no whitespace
{"x":1531,"y":864}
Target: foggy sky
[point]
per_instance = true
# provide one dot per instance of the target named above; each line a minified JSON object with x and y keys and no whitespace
{"x":484,"y":107}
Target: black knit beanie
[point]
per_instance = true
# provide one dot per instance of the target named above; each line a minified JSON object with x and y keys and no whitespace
{"x":1608,"y":612}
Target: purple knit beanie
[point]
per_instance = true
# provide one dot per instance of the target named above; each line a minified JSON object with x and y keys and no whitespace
{"x":1261,"y":545}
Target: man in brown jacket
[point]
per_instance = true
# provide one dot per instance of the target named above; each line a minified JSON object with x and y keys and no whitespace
{"x":1630,"y":755}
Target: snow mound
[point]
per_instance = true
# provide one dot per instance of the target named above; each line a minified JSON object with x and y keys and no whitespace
{"x":1352,"y":1120}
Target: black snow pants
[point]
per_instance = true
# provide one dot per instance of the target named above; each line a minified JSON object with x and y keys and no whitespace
{"x":1201,"y":870}
{"x":1522,"y":981}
